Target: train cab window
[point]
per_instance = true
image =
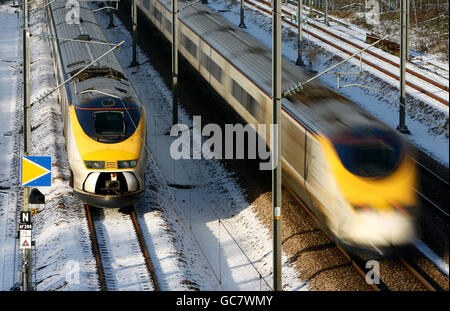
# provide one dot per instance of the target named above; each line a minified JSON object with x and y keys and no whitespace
{"x":369,"y":152}
{"x":109,"y":125}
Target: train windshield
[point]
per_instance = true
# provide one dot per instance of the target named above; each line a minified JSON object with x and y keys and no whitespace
{"x":109,"y":124}
{"x":368,"y":152}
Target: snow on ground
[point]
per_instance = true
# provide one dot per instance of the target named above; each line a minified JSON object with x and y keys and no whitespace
{"x":209,"y":205}
{"x":425,"y":121}
{"x":352,"y":33}
{"x":9,"y":61}
{"x":430,"y":62}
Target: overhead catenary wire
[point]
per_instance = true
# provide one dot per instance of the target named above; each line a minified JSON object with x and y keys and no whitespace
{"x":299,"y":85}
{"x":46,"y":36}
{"x":396,"y":101}
{"x":48,"y":93}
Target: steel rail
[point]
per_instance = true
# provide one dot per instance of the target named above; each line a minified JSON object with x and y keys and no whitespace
{"x":428,"y":284}
{"x":142,"y":244}
{"x":144,"y":249}
{"x":95,"y":249}
{"x":422,"y":279}
{"x":354,"y":262}
{"x":386,"y":72}
{"x":418,"y":75}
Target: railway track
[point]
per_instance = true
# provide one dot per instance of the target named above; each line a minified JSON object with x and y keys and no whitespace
{"x":420,"y":276}
{"x":121,"y":259}
{"x":118,"y":245}
{"x":436,"y":87}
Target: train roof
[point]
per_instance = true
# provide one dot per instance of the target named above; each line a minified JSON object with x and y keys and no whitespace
{"x":254,"y":59}
{"x":106,"y":76}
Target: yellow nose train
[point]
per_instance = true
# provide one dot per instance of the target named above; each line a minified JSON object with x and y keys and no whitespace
{"x":104,"y":121}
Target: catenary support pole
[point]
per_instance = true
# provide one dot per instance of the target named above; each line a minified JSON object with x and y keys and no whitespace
{"x":242,"y":23}
{"x":300,"y":34}
{"x":408,"y":11}
{"x":111,"y":18}
{"x":134,"y":31}
{"x":26,"y":78}
{"x":276,"y":142}
{"x":402,"y":128}
{"x":174,"y":62}
{"x":27,"y":266}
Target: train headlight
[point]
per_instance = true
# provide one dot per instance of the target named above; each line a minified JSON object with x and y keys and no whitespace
{"x":127,"y":164}
{"x":96,"y":165}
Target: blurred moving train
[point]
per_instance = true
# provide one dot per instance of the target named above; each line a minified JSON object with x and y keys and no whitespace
{"x":104,"y":121}
{"x":353,"y":172}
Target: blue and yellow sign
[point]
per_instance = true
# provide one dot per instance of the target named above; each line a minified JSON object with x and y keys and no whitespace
{"x":36,"y":171}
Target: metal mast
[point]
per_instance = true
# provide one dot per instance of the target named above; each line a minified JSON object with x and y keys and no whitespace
{"x":174,"y":62}
{"x":26,"y":273}
{"x":402,"y":128}
{"x":276,"y":142}
{"x":242,"y":23}
{"x":300,"y":34}
{"x":134,"y":22}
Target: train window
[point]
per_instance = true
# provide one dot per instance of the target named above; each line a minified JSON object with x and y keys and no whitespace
{"x":216,"y":71}
{"x":211,"y":66}
{"x":168,"y":25}
{"x":109,"y":124}
{"x":243,"y":97}
{"x":252,"y":106}
{"x":157,"y":14}
{"x":189,"y":45}
{"x":236,"y":91}
{"x":368,"y":152}
{"x":205,"y":61}
{"x":146,"y":4}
